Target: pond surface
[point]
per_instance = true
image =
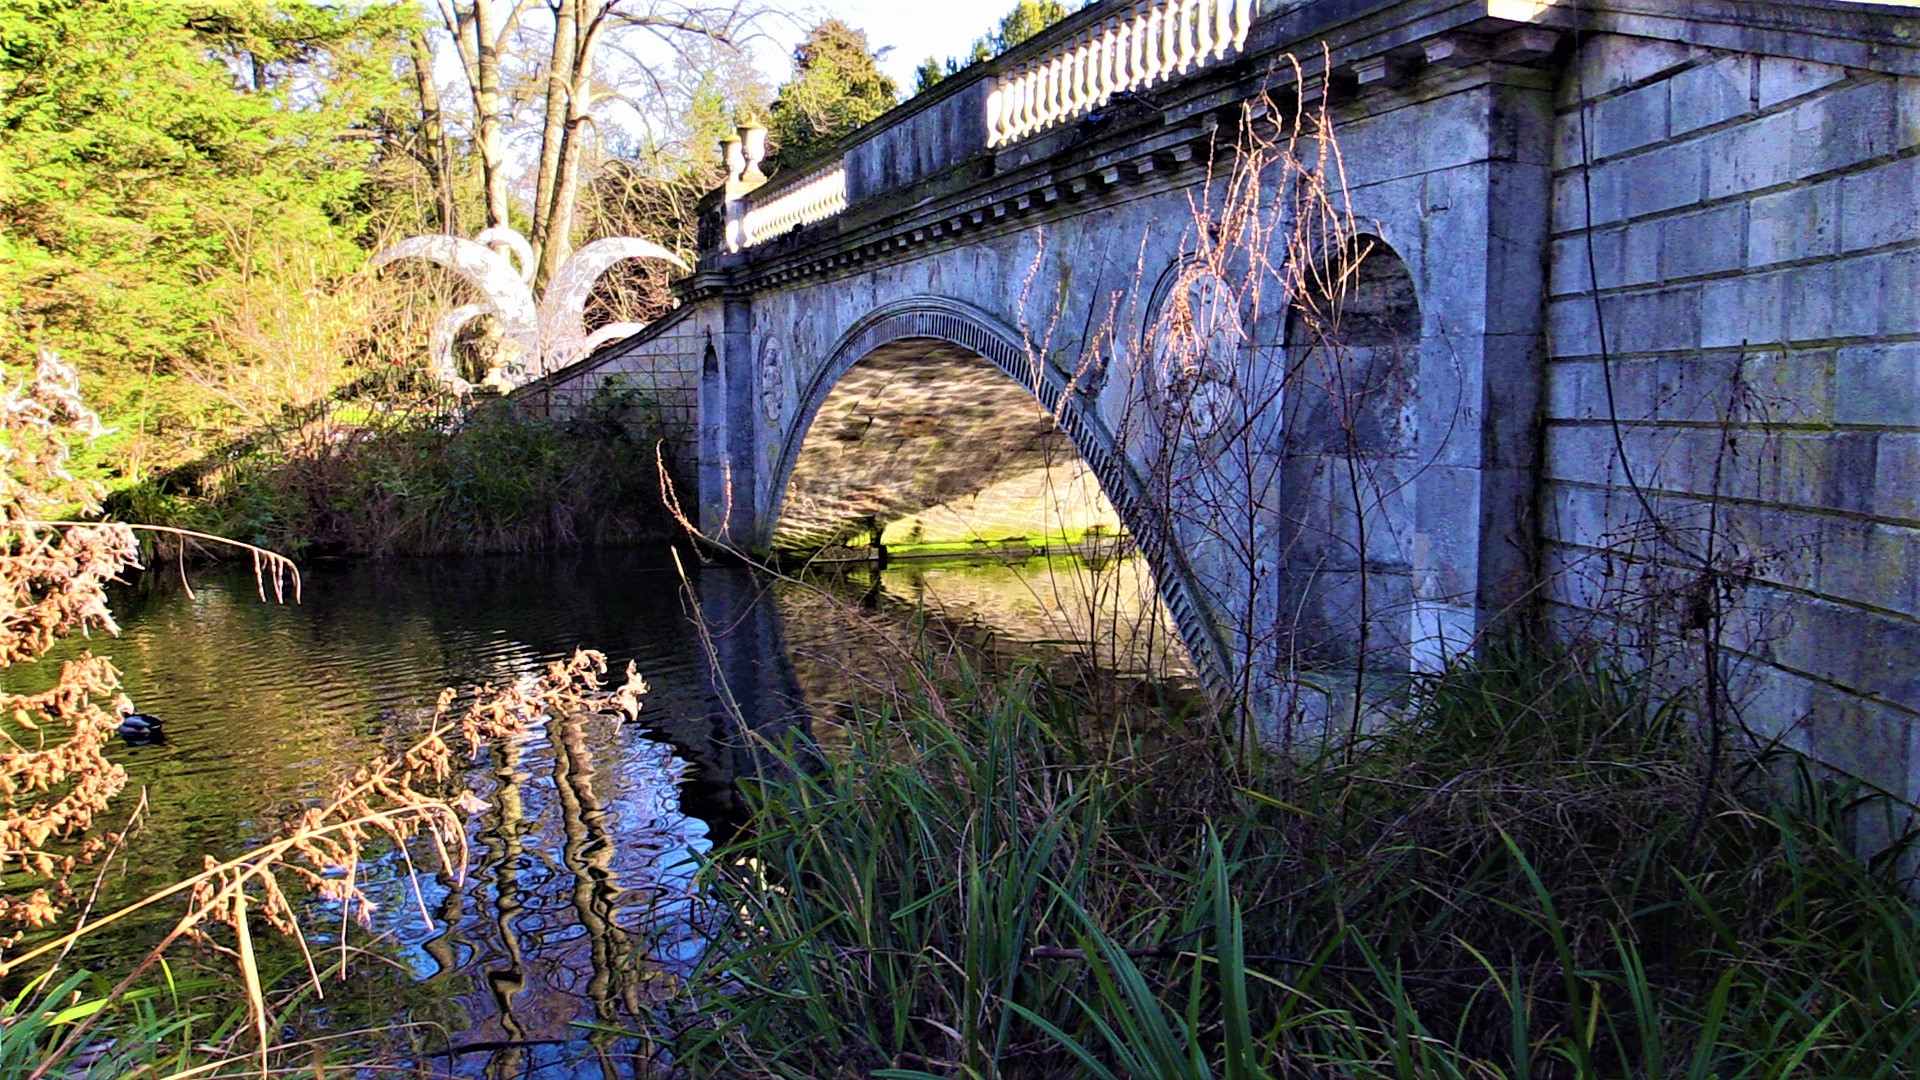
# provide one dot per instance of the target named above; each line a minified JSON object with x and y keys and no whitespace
{"x":576,"y":912}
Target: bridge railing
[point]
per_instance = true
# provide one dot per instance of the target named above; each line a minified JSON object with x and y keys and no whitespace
{"x":818,"y":195}
{"x":1139,"y":45}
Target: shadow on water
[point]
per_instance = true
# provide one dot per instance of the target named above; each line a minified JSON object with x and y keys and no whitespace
{"x":577,"y":911}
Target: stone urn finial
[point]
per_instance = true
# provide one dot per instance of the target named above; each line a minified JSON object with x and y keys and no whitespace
{"x":731,"y":157}
{"x":753,"y":147}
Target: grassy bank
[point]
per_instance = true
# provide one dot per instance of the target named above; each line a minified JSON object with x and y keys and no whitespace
{"x":358,"y":481}
{"x":1522,"y":878}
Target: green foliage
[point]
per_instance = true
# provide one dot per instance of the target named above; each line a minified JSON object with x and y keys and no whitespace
{"x":837,"y":86}
{"x":151,"y":151}
{"x":418,"y":483}
{"x":1027,"y":18}
{"x":1517,"y":879}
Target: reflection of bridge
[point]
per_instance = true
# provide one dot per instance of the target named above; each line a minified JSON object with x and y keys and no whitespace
{"x":1377,"y":466}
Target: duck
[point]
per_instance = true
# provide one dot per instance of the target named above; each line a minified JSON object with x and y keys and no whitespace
{"x":140,"y":727}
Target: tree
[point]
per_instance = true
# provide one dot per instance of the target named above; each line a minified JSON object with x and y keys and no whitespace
{"x":148,"y":151}
{"x":1027,"y":18}
{"x":837,"y":86}
{"x":652,"y":181}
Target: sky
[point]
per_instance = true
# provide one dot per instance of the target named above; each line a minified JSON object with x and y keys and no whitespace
{"x":915,"y":30}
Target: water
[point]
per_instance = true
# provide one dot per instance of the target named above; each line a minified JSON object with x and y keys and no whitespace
{"x":577,"y":911}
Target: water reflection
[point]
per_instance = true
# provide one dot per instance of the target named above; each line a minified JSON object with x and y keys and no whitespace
{"x":577,"y":912}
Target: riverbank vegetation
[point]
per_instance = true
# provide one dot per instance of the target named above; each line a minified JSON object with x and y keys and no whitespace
{"x":424,"y":481}
{"x":1522,"y":876}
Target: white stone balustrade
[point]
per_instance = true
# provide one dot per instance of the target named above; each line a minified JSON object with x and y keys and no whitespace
{"x":819,"y":195}
{"x":1141,"y":44}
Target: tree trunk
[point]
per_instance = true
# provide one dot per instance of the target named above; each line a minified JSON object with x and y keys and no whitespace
{"x":562,"y":73}
{"x":567,"y":192}
{"x":439,"y":156}
{"x":486,"y":103}
{"x":573,"y":133}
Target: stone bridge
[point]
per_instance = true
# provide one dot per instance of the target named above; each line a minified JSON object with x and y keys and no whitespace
{"x":1592,"y":312}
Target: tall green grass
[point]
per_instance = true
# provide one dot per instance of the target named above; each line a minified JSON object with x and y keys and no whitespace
{"x":1515,"y":879}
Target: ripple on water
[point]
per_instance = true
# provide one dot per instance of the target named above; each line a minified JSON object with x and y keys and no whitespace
{"x":577,"y":905}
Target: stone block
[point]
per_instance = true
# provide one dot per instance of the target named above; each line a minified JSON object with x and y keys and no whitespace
{"x":1880,"y":205}
{"x":1448,"y":534}
{"x":1708,"y":242}
{"x":1572,"y":328}
{"x":1773,"y":704}
{"x":1568,"y":269}
{"x":1793,"y":387}
{"x":1665,"y":320}
{"x":1862,"y":739}
{"x":1798,"y":223}
{"x":1710,"y":94}
{"x":1906,"y":134}
{"x":1783,"y":78}
{"x":1878,"y":385}
{"x":1841,"y":129}
{"x":1896,"y":483}
{"x":1859,"y":285}
{"x":1871,"y":563}
{"x":1810,"y":300}
{"x":1567,"y":389}
{"x":1749,"y":157}
{"x":1568,"y":132}
{"x":1377,"y":520}
{"x":1608,"y":62}
{"x":1439,"y":635}
{"x":1640,"y":248}
{"x":1604,"y":185}
{"x":1629,"y":121}
{"x":1900,"y":293}
{"x":1581,"y":453}
{"x":1663,"y":179}
{"x":1746,"y":310}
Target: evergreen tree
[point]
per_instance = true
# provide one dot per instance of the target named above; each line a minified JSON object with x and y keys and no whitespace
{"x":156,"y":156}
{"x":837,"y":85}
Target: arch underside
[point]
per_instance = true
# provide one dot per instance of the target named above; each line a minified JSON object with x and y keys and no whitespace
{"x":925,"y":447}
{"x":944,"y":333}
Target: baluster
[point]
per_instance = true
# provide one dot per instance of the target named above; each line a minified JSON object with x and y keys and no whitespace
{"x":1155,"y":46}
{"x":1112,"y":70}
{"x":1185,"y":21}
{"x":1090,"y":73}
{"x":1072,"y":70}
{"x":1016,"y":105}
{"x":1043,"y":100}
{"x":1242,"y":22}
{"x":1056,"y":89}
{"x":995,"y":97}
{"x":1137,"y":49}
{"x":1027,"y":97}
{"x":1222,"y":27}
{"x":1082,"y":60}
{"x":1203,"y":30}
{"x":1170,"y":39}
{"x":1087,"y":71}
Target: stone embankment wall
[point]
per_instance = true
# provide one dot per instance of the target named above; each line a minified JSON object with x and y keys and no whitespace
{"x":650,"y":381}
{"x":1752,"y":225}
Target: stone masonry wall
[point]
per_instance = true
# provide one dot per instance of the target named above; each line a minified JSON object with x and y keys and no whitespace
{"x":1755,"y":240}
{"x":656,"y":374}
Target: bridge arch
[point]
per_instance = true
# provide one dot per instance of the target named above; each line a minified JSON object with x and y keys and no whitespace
{"x":932,"y":318}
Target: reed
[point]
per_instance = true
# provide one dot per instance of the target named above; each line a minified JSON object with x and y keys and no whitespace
{"x":1511,"y":880}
